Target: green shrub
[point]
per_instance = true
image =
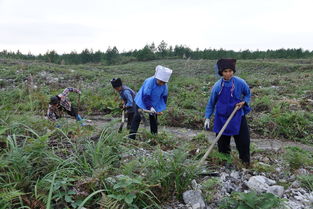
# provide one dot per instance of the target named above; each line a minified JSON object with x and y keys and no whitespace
{"x":251,"y":200}
{"x":171,"y":171}
{"x":307,"y":181}
{"x":262,"y":104}
{"x":296,"y":157}
{"x":209,"y":188}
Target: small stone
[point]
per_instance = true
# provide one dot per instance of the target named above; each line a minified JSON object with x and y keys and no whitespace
{"x":266,"y":160}
{"x":276,"y":190}
{"x":194,"y":199}
{"x":301,"y":171}
{"x":278,"y":169}
{"x":235,"y":174}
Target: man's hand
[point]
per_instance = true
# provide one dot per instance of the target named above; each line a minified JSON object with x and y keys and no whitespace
{"x":240,"y":104}
{"x":152,"y":110}
{"x":61,"y":97}
{"x":207,"y":124}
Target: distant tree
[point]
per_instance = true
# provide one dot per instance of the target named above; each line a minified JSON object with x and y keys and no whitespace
{"x":51,"y":56}
{"x":152,"y":47}
{"x":162,"y":49}
{"x":86,"y":56}
{"x":145,"y":54}
{"x":182,"y":51}
{"x":97,"y":56}
{"x":72,"y":58}
{"x":112,"y":55}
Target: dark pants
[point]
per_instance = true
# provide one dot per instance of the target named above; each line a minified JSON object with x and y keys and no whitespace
{"x":136,"y":121}
{"x":242,"y":141}
{"x":130,"y":116}
{"x":73,"y":112}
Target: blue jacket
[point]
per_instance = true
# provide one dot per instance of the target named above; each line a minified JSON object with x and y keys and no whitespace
{"x":241,"y":92}
{"x":152,"y":95}
{"x":128,"y":95}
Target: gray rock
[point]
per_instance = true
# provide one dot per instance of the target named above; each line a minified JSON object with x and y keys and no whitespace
{"x":194,"y":199}
{"x":276,"y":190}
{"x":235,"y":174}
{"x":293,"y":205}
{"x":266,"y":160}
{"x":278,"y":169}
{"x":195,"y":186}
{"x":260,"y":183}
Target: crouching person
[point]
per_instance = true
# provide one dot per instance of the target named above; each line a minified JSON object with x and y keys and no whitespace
{"x":227,"y":93}
{"x":152,"y":96}
{"x":60,"y":103}
{"x":127,"y":95}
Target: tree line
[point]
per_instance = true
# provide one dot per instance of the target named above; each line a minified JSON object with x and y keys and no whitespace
{"x":153,"y":52}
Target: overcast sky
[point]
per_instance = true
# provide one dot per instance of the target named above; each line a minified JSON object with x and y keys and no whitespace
{"x":66,"y":25}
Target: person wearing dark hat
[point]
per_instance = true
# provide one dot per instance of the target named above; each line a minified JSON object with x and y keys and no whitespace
{"x":60,"y":103}
{"x":227,"y":93}
{"x":127,"y":95}
{"x":152,"y":96}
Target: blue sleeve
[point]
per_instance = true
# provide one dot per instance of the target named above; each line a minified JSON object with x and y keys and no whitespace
{"x":129,"y":98}
{"x":146,"y":94}
{"x":246,"y":93}
{"x":211,"y":102}
{"x":165,"y":94}
{"x":165,"y":99}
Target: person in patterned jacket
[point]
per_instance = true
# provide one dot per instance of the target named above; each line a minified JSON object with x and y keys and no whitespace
{"x":60,"y":103}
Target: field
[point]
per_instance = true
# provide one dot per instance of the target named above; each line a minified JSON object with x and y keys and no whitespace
{"x":96,"y":167}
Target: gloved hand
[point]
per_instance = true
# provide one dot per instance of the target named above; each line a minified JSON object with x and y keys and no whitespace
{"x":153,"y":111}
{"x":207,"y":124}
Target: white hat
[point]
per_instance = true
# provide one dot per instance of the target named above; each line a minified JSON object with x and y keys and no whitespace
{"x":162,"y":73}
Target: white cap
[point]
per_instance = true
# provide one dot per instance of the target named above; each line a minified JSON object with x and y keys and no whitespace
{"x":162,"y":73}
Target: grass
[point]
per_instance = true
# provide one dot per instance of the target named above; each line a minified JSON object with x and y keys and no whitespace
{"x":33,"y":150}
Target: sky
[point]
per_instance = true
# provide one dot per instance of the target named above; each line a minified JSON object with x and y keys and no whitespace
{"x":38,"y":26}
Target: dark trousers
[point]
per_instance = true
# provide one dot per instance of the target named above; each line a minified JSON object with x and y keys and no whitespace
{"x":153,"y":118}
{"x":130,"y":116}
{"x":242,"y":141}
{"x":73,"y":112}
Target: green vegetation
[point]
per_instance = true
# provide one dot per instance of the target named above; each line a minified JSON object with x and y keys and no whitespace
{"x":151,"y":52}
{"x":296,"y":157}
{"x":307,"y":181}
{"x":68,"y":167}
{"x":251,"y":200}
{"x":209,"y":187}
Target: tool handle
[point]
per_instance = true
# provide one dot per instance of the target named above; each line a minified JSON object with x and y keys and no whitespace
{"x":146,"y":111}
{"x":123,"y":116}
{"x":218,"y":136}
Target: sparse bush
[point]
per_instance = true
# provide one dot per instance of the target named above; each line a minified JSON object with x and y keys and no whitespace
{"x":297,"y":157}
{"x":251,"y":200}
{"x":209,"y":187}
{"x":307,"y":181}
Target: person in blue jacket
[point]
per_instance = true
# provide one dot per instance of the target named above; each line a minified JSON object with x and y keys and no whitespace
{"x":128,"y":96}
{"x":152,"y":96}
{"x":228,"y":92}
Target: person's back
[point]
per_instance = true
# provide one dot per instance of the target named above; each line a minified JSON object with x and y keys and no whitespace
{"x":151,"y":97}
{"x":61,"y":102}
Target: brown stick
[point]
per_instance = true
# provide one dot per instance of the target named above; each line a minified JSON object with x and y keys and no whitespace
{"x":218,"y":136}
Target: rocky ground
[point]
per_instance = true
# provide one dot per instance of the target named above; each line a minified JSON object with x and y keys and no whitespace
{"x":233,"y":179}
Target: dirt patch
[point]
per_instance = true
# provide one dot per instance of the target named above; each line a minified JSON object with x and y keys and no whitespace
{"x":189,"y":134}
